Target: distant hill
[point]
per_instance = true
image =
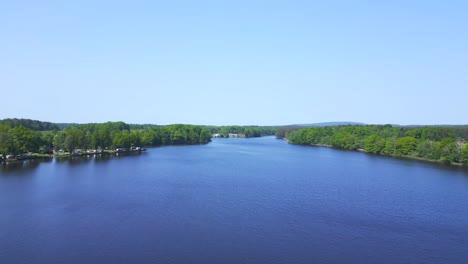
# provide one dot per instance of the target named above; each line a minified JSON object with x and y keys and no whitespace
{"x":326,"y":124}
{"x":442,"y":125}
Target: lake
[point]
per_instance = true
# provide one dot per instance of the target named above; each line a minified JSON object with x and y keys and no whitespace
{"x":257,"y":200}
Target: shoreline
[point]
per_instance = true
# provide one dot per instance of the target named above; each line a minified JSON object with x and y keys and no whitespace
{"x":38,"y":156}
{"x":64,"y":155}
{"x":462,"y":165}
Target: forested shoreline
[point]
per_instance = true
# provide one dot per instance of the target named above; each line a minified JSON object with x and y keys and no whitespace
{"x":32,"y":138}
{"x":441,"y":144}
{"x":22,"y":136}
{"x":446,"y":144}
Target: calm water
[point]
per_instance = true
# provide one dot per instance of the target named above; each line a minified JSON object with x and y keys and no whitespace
{"x":234,"y":201}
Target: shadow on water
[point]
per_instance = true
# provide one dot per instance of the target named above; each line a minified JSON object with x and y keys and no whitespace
{"x":406,"y":161}
{"x":409,"y":162}
{"x":74,"y":160}
{"x":29,"y":165}
{"x":21,"y":165}
{"x":79,"y":160}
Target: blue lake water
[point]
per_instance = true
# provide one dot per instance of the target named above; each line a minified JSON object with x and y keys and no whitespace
{"x":256,"y":200}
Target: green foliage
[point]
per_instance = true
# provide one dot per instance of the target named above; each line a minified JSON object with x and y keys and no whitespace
{"x":22,"y":135}
{"x":344,"y":140}
{"x":74,"y":138}
{"x":119,"y":135}
{"x":126,"y":139}
{"x":282,"y":132}
{"x":5,"y":140}
{"x":464,"y":154}
{"x":21,"y":139}
{"x":446,"y":149}
{"x":389,"y":148}
{"x":374,"y":144}
{"x":59,"y":141}
{"x":445,"y":144}
{"x":101,"y":137}
{"x":425,"y":148}
{"x":405,"y":146}
{"x":28,"y":123}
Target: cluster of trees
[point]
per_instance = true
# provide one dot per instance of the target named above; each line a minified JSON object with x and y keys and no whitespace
{"x":283,"y":131}
{"x":20,"y":139}
{"x":248,"y":131}
{"x":28,"y":123}
{"x":119,"y":134}
{"x":447,"y":144}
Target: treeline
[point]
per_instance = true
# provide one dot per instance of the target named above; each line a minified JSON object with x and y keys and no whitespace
{"x":20,"y":139}
{"x":110,"y":135}
{"x":283,"y":131}
{"x":248,"y":131}
{"x":28,"y":123}
{"x":445,"y":144}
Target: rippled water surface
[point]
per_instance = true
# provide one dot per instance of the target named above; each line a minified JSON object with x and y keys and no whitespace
{"x":234,"y":201}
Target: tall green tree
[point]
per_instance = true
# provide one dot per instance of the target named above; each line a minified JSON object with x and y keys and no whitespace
{"x":59,"y":141}
{"x":464,"y":156}
{"x":5,"y":140}
{"x":405,"y":145}
{"x":22,"y":139}
{"x":74,"y":139}
{"x":374,"y":144}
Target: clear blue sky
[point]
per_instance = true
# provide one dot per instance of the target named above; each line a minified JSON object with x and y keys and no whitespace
{"x":235,"y":62}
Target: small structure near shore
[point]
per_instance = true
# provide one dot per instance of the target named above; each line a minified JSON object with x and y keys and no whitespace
{"x":74,"y":153}
{"x":231,"y":135}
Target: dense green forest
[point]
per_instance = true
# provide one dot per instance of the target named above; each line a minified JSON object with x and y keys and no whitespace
{"x":21,"y":139}
{"x":445,"y":144}
{"x":28,"y":123}
{"x":438,"y":143}
{"x":19,"y":136}
{"x":283,"y":131}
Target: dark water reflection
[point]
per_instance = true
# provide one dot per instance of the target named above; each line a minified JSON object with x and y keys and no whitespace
{"x":6,"y":168}
{"x":22,"y":166}
{"x":233,"y":201}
